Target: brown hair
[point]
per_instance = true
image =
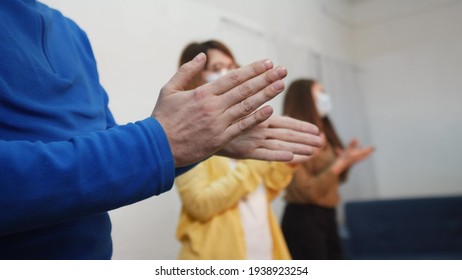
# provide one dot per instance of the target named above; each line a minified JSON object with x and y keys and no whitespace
{"x":193,"y":49}
{"x":299,"y":104}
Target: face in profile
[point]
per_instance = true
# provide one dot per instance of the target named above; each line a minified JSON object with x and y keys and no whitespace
{"x":218,"y":65}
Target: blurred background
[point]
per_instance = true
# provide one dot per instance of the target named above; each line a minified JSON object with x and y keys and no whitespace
{"x":392,"y":67}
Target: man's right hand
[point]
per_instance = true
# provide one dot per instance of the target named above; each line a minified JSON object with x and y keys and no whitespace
{"x":200,"y":122}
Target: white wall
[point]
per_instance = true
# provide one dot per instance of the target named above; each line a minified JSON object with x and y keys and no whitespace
{"x":137,"y":44}
{"x":410,"y":60}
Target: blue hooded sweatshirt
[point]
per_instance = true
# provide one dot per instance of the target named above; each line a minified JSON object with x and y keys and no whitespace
{"x":63,"y":161}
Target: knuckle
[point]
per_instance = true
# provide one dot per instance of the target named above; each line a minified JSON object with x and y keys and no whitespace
{"x":267,"y":78}
{"x":246,"y":106}
{"x":234,"y":78}
{"x":269,"y":93}
{"x":242,"y":125}
{"x":183,"y":69}
{"x":245,"y":90}
{"x":199,"y":93}
{"x":258,"y":117}
{"x":255,"y":69}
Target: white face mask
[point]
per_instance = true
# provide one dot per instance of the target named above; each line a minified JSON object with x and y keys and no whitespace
{"x":324,"y":104}
{"x":216,"y":75}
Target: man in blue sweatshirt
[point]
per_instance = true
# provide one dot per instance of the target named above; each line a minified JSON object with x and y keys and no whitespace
{"x":64,"y":162}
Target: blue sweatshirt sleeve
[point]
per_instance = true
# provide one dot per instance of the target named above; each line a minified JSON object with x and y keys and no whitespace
{"x":111,"y":123}
{"x":49,"y":183}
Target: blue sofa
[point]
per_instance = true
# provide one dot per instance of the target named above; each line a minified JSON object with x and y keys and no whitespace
{"x":421,"y":228}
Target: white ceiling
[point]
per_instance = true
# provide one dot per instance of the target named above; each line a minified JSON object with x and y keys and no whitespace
{"x":355,"y":2}
{"x":366,"y":13}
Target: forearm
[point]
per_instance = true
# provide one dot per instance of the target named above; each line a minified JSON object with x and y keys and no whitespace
{"x":203,"y":199}
{"x":338,"y":167}
{"x":279,"y":175}
{"x":49,"y":183}
{"x":278,"y":178}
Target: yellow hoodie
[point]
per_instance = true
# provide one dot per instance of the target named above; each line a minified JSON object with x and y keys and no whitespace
{"x":210,"y":225}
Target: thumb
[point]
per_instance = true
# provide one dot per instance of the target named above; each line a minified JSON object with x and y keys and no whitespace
{"x":185,"y":74}
{"x":354,"y":143}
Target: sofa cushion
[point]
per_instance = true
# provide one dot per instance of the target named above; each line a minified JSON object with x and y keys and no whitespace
{"x":424,"y":228}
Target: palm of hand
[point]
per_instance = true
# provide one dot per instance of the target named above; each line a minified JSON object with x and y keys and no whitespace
{"x":353,"y":153}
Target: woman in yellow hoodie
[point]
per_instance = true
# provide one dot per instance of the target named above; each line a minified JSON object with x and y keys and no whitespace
{"x":226,"y":211}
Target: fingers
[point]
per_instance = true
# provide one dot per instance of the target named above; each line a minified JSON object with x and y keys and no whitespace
{"x":293,"y":136}
{"x":353,"y":144}
{"x":238,"y":76}
{"x":296,"y":131}
{"x":295,"y":148}
{"x":255,"y":85}
{"x":248,"y":122}
{"x":300,"y":159}
{"x":361,"y":154}
{"x":367,"y":151}
{"x":271,"y":155}
{"x":245,"y":106}
{"x":293,"y":124}
{"x":185,"y":74}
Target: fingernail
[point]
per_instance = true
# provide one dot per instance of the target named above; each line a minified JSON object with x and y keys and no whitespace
{"x":268,"y":64}
{"x":199,"y":57}
{"x":267,"y":110}
{"x":282,"y":71}
{"x":278,"y":85}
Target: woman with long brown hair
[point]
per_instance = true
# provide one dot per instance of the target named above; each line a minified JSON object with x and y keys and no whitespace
{"x":309,"y":221}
